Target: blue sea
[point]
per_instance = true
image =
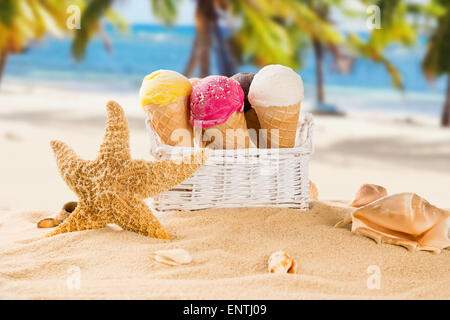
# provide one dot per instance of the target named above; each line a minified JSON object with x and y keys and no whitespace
{"x":145,"y":48}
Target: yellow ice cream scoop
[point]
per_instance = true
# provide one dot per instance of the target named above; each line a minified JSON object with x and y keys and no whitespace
{"x":164,"y":87}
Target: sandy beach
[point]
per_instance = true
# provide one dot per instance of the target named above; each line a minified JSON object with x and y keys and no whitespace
{"x":230,"y":259}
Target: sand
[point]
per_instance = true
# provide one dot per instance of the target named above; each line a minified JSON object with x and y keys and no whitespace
{"x":230,"y":249}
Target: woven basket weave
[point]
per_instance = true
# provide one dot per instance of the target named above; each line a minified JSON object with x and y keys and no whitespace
{"x":241,"y":178}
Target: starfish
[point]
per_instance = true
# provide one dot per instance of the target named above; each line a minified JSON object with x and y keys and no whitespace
{"x":112,"y":187}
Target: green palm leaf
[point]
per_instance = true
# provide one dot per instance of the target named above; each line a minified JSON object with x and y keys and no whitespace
{"x":166,"y":10}
{"x":261,"y":38}
{"x":367,"y":50}
{"x":8,"y":9}
{"x":437,"y":61}
{"x":90,"y":24}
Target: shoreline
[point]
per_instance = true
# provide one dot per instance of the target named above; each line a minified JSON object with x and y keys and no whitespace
{"x":336,"y":94}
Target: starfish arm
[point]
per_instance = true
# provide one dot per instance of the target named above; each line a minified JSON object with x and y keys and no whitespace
{"x":154,"y":177}
{"x":70,"y":165}
{"x":116,"y":141}
{"x":134,"y":215}
{"x":80,"y":219}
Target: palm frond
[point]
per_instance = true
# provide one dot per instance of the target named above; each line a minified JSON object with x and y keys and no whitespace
{"x":45,"y":22}
{"x":437,"y":61}
{"x":261,"y":38}
{"x":24,"y":20}
{"x":90,"y":24}
{"x":117,"y":20}
{"x":367,"y":50}
{"x":8,"y":9}
{"x":166,"y":10}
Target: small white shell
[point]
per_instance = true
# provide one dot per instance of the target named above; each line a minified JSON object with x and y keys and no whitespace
{"x":280,"y":262}
{"x":173,"y":257}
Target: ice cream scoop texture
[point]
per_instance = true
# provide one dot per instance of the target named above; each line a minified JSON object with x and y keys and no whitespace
{"x":214,"y":99}
{"x":164,"y":87}
{"x":276,"y":86}
{"x":245,"y":79}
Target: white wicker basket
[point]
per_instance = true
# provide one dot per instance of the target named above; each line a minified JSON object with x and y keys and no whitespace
{"x":242,"y":178}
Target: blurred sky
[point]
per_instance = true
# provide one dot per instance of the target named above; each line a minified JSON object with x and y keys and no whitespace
{"x":139,"y":11}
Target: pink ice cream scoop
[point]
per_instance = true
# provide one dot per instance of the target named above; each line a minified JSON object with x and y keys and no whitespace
{"x":214,"y":99}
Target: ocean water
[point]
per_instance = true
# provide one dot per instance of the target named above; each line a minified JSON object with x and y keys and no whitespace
{"x":146,"y":48}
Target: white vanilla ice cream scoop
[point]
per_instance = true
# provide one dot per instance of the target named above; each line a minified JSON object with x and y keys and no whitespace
{"x":276,"y":86}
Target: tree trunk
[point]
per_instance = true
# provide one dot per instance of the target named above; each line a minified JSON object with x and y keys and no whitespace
{"x":205,"y":17}
{"x":226,"y":64}
{"x":3,"y":59}
{"x":105,"y":40}
{"x":318,"y":52}
{"x":193,"y":59}
{"x":446,"y":112}
{"x":205,"y":49}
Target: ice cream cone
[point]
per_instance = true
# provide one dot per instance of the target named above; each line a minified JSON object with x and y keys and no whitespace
{"x":276,"y":93}
{"x":171,"y":122}
{"x":280,"y":123}
{"x":165,"y":98}
{"x":232,"y":134}
{"x":252,"y":120}
{"x":245,"y":79}
{"x":217,"y":106}
{"x":253,"y":125}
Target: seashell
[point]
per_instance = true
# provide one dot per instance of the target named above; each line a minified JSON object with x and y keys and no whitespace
{"x":366,"y":194}
{"x":48,"y":223}
{"x":403,"y":219}
{"x":65,"y":212}
{"x":313,"y":192}
{"x":280,"y":262}
{"x":173,"y":257}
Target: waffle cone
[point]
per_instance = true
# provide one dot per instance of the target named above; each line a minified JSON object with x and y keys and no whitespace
{"x":166,"y":120}
{"x":285,"y":119}
{"x":234,"y":133}
{"x":252,"y":120}
{"x":253,"y":125}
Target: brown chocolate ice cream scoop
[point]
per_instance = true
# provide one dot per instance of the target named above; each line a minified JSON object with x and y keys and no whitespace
{"x":245,"y":79}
